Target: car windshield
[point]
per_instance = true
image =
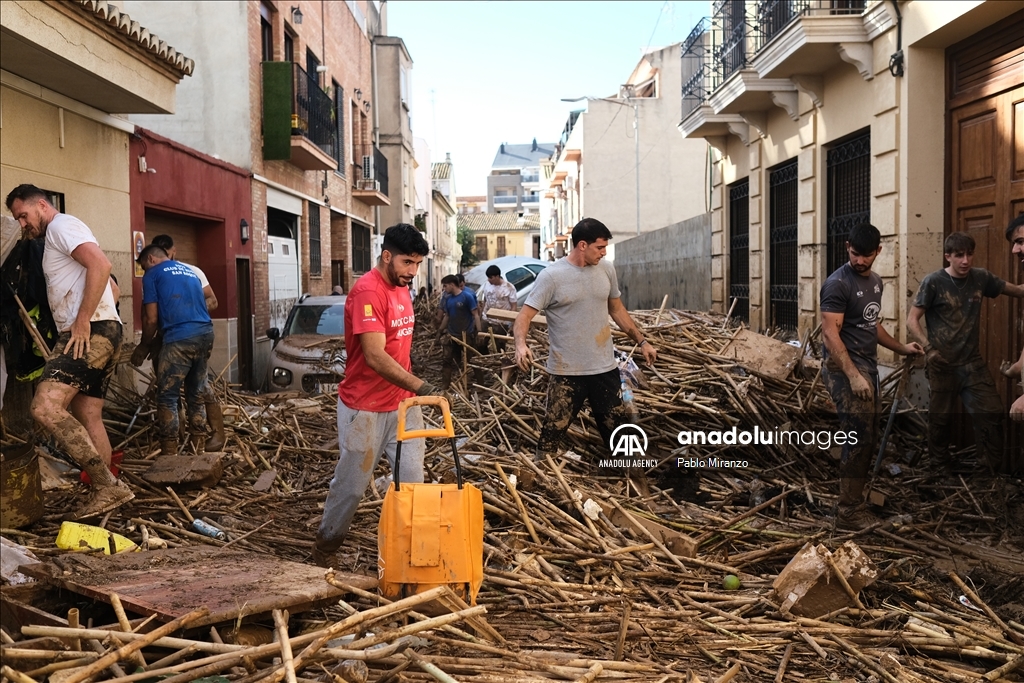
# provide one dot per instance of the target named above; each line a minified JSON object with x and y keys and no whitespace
{"x":327,"y":320}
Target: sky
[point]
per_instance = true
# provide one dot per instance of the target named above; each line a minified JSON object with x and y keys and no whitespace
{"x":485,"y":73}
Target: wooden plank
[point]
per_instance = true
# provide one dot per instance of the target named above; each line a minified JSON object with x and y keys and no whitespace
{"x":172,"y":582}
{"x":510,"y":316}
{"x":676,"y":541}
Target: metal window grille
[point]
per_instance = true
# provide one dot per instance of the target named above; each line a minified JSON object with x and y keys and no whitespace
{"x":782,"y":229}
{"x":739,"y":249}
{"x":360,"y":249}
{"x":849,"y":195}
{"x":339,"y":126}
{"x":314,"y":239}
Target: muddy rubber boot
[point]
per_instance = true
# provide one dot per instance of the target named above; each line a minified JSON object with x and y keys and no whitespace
{"x":104,"y":500}
{"x":168,"y":446}
{"x":215,"y":418}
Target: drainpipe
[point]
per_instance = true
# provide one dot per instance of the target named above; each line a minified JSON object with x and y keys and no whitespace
{"x":376,"y":116}
{"x":896,"y":60}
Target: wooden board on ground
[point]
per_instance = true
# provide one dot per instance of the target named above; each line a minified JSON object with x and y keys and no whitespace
{"x":762,"y":354}
{"x":204,"y":469}
{"x":510,"y":316}
{"x":676,"y":541}
{"x":173,"y":582}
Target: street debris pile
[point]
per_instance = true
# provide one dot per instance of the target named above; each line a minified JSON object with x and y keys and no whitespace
{"x":676,"y":572}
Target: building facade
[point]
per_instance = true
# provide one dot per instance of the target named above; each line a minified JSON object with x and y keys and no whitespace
{"x":394,"y":127}
{"x":502,"y":234}
{"x":622,"y":161}
{"x":824,"y":114}
{"x":69,"y":73}
{"x":514,"y":183}
{"x":286,"y":94}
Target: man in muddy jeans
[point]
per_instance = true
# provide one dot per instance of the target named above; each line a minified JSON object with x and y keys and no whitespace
{"x":172,"y":298}
{"x":950,"y":301}
{"x":69,"y":399}
{"x":851,"y":305}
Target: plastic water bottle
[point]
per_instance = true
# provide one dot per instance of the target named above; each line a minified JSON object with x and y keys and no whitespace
{"x":628,"y":404}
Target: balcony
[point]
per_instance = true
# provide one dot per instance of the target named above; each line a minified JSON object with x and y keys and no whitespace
{"x":371,"y":176}
{"x":506,"y":199}
{"x":531,"y":178}
{"x":298,"y":123}
{"x":750,"y":56}
{"x":531,"y":199}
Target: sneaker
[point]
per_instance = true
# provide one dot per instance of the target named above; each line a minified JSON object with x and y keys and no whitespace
{"x":855,"y":517}
{"x":104,"y":500}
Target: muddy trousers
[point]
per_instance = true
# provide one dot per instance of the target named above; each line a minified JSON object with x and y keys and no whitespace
{"x":362,"y":437}
{"x":566,"y":395}
{"x":973,"y":384}
{"x":858,"y":419}
{"x":183,"y":362}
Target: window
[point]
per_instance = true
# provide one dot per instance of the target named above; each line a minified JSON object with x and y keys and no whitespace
{"x":739,"y":249}
{"x":500,"y":251}
{"x":289,"y":48}
{"x":266,"y":33}
{"x":339,"y":126}
{"x":782,"y":229}
{"x":520,"y":277}
{"x":314,"y":240}
{"x":360,"y":249}
{"x":56,"y":199}
{"x":403,"y":85}
{"x":849,"y":194}
{"x":312,"y":64}
{"x":481,"y":248}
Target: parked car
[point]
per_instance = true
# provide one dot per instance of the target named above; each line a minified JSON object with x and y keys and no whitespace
{"x":521,"y":271}
{"x":309,"y":354}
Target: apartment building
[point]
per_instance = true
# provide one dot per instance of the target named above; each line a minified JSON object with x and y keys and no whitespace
{"x":826,"y":113}
{"x":621,"y":159}
{"x":286,"y":94}
{"x":69,"y":73}
{"x":502,"y":234}
{"x":514,"y":183}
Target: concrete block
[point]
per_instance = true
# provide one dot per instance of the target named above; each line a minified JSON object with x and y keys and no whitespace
{"x":185,"y":470}
{"x":883,"y":214}
{"x":882,"y":47}
{"x":884,"y":132}
{"x":755,"y":154}
{"x":808,"y":295}
{"x":886,"y":95}
{"x":807,"y":586}
{"x":755,"y":211}
{"x":717,"y":243}
{"x":889,"y":311}
{"x":717,"y":220}
{"x":716,"y":266}
{"x":717,"y":197}
{"x":805,"y":228}
{"x":807,"y":197}
{"x":755,"y":267}
{"x":883,"y":174}
{"x":806,"y":163}
{"x":756,"y":237}
{"x":716,"y":174}
{"x":886,"y":262}
{"x":805,"y":263}
{"x":807,"y":130}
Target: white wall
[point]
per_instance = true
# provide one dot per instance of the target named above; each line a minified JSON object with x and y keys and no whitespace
{"x":212,"y":109}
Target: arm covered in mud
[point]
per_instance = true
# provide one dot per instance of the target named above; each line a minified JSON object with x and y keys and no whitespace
{"x":519,"y":331}
{"x":625,"y":322}
{"x":831,"y":324}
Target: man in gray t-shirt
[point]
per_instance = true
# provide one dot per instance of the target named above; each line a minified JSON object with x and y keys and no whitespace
{"x":577,"y":294}
{"x":851,"y":304}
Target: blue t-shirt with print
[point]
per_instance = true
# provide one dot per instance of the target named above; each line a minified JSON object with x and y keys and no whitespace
{"x":459,"y":308}
{"x":176,"y":290}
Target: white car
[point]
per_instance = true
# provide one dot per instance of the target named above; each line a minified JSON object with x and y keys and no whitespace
{"x":521,"y":271}
{"x":309,"y":354}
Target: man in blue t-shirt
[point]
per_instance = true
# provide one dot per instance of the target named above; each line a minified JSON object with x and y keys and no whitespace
{"x":460,"y":315}
{"x":173,"y":303}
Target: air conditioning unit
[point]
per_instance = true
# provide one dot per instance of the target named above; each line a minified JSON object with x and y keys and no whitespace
{"x":368,"y":167}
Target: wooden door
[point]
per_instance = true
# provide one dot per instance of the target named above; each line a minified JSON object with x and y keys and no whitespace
{"x":244,"y":331}
{"x":986,"y":184}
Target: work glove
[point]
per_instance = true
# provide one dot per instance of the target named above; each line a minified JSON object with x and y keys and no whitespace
{"x":428,"y":389}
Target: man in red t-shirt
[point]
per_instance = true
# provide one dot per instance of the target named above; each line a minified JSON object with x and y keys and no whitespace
{"x":378,"y":339}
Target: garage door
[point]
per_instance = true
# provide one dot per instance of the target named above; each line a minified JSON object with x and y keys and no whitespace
{"x":182,"y":230}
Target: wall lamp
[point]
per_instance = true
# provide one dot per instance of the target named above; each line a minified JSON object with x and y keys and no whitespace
{"x":243,"y":227}
{"x":296,"y":15}
{"x":366,"y":105}
{"x":358,"y":94}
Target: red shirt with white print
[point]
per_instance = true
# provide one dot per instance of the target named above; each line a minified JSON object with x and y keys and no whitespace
{"x":374,"y":305}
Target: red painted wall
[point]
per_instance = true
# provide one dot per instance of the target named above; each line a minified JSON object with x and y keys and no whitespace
{"x":194,"y":185}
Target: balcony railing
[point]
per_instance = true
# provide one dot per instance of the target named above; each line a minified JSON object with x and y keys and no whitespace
{"x":311,"y":111}
{"x":371,"y":169}
{"x":699,"y":75}
{"x":773,"y":16}
{"x":532,"y":178}
{"x":531,"y":199}
{"x":506,"y":199}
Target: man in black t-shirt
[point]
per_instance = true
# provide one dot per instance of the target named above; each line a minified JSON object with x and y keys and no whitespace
{"x":950,"y":302}
{"x":851,"y":306}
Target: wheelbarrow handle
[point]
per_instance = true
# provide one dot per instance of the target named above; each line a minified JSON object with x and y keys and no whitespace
{"x":447,"y":432}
